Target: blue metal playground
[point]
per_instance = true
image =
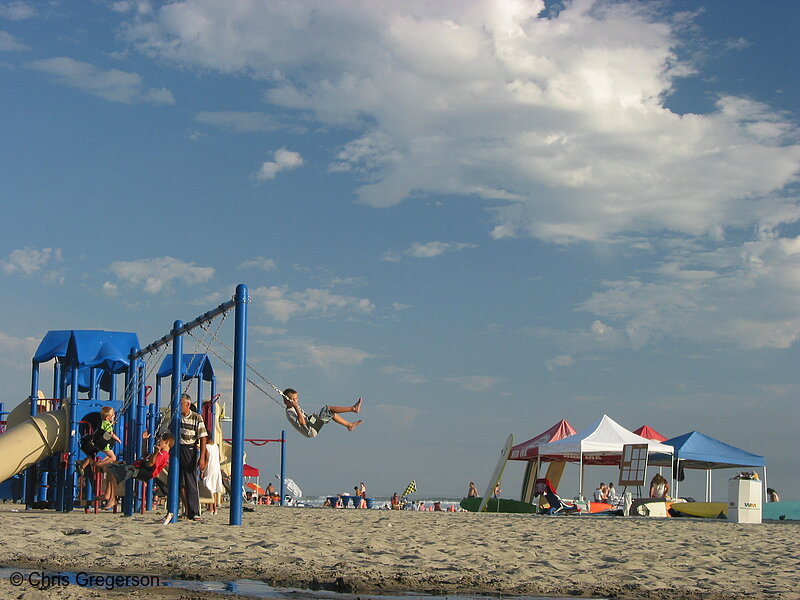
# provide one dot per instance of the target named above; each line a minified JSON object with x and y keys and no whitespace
{"x":41,"y":441}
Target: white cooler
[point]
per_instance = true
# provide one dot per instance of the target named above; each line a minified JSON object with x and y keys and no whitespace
{"x":744,"y":501}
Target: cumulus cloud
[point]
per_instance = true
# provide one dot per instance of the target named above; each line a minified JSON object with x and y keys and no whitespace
{"x":282,"y":304}
{"x":426,"y":250}
{"x":403,"y":374}
{"x":111,"y":84}
{"x":240,"y":122}
{"x":16,"y":352}
{"x":154,"y":275}
{"x":563,"y":360}
{"x":29,"y":261}
{"x":259,"y":262}
{"x":17,"y":11}
{"x":557,"y":120}
{"x":8,"y":43}
{"x":284,"y":160}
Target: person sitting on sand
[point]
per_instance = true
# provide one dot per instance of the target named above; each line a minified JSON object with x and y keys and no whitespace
{"x":309,"y":425}
{"x":659,"y":487}
{"x":473,"y":491}
{"x":143,"y":470}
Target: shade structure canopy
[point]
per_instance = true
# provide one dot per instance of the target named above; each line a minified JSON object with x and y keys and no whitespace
{"x":248,"y":471}
{"x":651,"y":434}
{"x":599,"y":444}
{"x":107,"y":352}
{"x":193,"y":365}
{"x":695,"y":450}
{"x":529,"y":450}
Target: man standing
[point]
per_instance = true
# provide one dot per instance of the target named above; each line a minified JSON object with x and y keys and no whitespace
{"x":193,"y":431}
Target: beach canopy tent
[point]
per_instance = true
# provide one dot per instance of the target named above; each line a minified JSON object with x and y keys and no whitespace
{"x":105,"y":351}
{"x":651,"y":434}
{"x":248,"y":471}
{"x":599,"y":444}
{"x":530,"y":450}
{"x":695,"y":450}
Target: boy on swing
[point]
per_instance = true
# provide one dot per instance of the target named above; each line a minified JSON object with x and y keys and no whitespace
{"x":309,"y":425}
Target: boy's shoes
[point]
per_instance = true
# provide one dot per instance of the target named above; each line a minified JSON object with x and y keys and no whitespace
{"x":197,"y":518}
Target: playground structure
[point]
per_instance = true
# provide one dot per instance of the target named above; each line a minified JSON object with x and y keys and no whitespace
{"x":40,"y":438}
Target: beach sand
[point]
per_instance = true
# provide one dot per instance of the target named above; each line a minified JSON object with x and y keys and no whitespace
{"x":378,"y":551}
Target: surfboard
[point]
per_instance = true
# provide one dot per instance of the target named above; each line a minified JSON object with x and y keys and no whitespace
{"x":709,"y":510}
{"x":505,"y":505}
{"x":497,"y":474}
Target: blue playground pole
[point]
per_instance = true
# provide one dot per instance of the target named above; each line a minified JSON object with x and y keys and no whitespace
{"x":131,"y":393}
{"x":151,"y":442}
{"x":175,"y":424}
{"x":283,"y":467}
{"x":69,"y":487}
{"x":239,"y":384}
{"x":27,"y":474}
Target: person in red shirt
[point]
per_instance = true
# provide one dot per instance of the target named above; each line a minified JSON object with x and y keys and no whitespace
{"x":143,"y":470}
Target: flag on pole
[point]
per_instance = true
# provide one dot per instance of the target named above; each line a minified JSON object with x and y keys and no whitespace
{"x":410,"y":488}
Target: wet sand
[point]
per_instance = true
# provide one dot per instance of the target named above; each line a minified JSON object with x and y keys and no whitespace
{"x":377,"y":551}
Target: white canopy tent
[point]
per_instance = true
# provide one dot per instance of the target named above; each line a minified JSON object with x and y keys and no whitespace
{"x":599,"y":444}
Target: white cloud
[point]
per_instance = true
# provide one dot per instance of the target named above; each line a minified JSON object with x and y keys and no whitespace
{"x":29,"y":261}
{"x":474,"y":383}
{"x":17,"y":11}
{"x":326,"y":356}
{"x":563,"y":360}
{"x":558,"y":122}
{"x":284,"y":160}
{"x":110,"y":289}
{"x":154,"y":275}
{"x":111,"y":84}
{"x":403,"y":374}
{"x":259,"y":262}
{"x":8,"y":43}
{"x":426,"y":250}
{"x":282,"y":304}
{"x":240,"y":122}
{"x":17,"y":352}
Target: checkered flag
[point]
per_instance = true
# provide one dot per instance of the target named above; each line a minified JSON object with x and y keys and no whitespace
{"x":410,"y":488}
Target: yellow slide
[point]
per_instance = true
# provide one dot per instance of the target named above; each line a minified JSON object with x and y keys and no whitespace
{"x":28,"y":440}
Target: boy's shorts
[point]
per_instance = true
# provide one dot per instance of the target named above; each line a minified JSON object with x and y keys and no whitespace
{"x":319,"y":418}
{"x":122,"y":472}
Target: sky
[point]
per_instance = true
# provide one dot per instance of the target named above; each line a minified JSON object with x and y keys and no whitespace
{"x":480,"y":216}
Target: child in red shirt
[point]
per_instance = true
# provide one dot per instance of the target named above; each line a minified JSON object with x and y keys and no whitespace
{"x":143,"y":470}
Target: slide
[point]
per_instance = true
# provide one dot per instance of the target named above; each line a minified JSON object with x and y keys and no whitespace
{"x":28,"y":440}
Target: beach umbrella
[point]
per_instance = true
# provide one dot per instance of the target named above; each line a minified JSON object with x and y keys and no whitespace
{"x":410,"y":488}
{"x":291,"y":486}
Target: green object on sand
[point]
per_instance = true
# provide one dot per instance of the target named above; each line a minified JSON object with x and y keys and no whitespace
{"x":506,"y":505}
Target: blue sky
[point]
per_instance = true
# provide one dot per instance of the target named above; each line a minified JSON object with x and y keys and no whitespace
{"x":480,"y":216}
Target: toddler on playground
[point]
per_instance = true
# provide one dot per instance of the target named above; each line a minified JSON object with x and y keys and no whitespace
{"x":309,"y":425}
{"x":143,"y":470}
{"x":100,"y":440}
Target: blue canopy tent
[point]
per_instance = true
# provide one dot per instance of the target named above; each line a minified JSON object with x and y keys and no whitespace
{"x":695,"y":450}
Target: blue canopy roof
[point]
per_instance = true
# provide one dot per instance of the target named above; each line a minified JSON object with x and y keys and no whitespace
{"x":107,"y":351}
{"x":698,"y":451}
{"x":194,"y":365}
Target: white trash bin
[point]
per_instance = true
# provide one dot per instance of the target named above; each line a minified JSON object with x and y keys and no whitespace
{"x":744,"y":500}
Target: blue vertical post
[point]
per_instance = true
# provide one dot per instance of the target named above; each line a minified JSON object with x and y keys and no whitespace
{"x":152,"y":419}
{"x":57,"y":380}
{"x":27,"y":474}
{"x":141,"y":425}
{"x":131,"y":399}
{"x":239,"y":381}
{"x":69,"y":487}
{"x":175,"y":424}
{"x":283,"y":468}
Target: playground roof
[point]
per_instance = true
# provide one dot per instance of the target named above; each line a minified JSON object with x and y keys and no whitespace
{"x":194,"y":365}
{"x":107,"y":350}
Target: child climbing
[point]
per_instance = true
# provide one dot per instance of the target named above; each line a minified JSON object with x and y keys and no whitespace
{"x":309,"y":425}
{"x":100,"y":440}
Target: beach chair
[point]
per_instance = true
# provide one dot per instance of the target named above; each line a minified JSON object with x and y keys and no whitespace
{"x":543,"y":487}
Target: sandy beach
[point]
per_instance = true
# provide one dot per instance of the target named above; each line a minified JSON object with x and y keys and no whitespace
{"x":376,"y":551}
